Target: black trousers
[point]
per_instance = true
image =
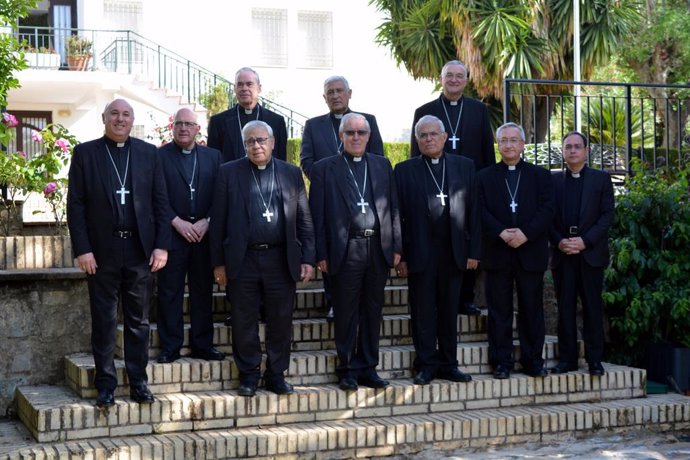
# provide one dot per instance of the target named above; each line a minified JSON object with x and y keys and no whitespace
{"x":123,"y":276}
{"x":434,"y":295}
{"x":572,"y":278}
{"x":469,"y":279}
{"x":358,"y":295}
{"x":530,"y":297}
{"x":264,"y":278}
{"x":193,"y":262}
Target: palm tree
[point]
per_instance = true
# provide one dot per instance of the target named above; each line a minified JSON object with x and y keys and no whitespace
{"x":504,"y":38}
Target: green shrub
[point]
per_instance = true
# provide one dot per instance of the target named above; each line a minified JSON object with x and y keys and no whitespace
{"x":647,"y":291}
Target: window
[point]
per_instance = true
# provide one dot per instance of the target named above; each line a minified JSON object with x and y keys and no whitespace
{"x":316,"y":38}
{"x":123,"y":14}
{"x":270,"y":26}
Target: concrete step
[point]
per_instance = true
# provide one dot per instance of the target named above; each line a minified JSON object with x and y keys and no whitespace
{"x":306,"y":368}
{"x":55,"y":413}
{"x":309,"y":303}
{"x":317,"y":334}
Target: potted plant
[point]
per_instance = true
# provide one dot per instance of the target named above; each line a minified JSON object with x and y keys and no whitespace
{"x":78,"y":52}
{"x":647,"y":294}
{"x":42,"y":57}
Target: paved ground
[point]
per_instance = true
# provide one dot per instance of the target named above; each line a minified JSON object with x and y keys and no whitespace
{"x":633,"y":445}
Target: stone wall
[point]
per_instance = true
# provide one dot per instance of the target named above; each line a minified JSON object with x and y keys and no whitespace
{"x":44,"y":315}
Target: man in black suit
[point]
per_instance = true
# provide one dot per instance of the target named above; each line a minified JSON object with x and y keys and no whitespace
{"x":117,"y":215}
{"x":320,"y":140}
{"x":225,"y":128}
{"x":262,"y":243}
{"x":439,"y":215}
{"x":354,"y":203}
{"x":580,"y":253}
{"x":190,"y":173}
{"x":516,"y":200}
{"x":469,"y":134}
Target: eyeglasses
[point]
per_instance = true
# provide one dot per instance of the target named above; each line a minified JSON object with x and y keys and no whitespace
{"x":459,"y":76}
{"x":186,"y":124}
{"x":252,"y":140}
{"x":430,"y":135}
{"x":511,"y":141}
{"x":359,"y":132}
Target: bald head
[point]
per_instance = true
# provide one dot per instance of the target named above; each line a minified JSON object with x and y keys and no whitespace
{"x":185,"y":128}
{"x":118,"y":118}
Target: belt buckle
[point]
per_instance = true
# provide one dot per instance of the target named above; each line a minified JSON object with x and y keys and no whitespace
{"x":123,"y":234}
{"x":573,"y":230}
{"x":368,"y":232}
{"x":262,"y":246}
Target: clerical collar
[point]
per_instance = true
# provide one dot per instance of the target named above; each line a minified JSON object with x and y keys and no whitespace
{"x":353,"y":158}
{"x":434,"y":161}
{"x":248,"y":111}
{"x":576,"y":175}
{"x":453,"y":103}
{"x":184,"y":150}
{"x":113,"y":143}
{"x":512,"y":167}
{"x":261,"y":167}
{"x":338,"y":116}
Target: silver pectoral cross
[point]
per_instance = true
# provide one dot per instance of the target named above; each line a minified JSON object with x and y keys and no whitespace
{"x":363,"y":204}
{"x":122,"y":192}
{"x":442,"y":197}
{"x":267,"y":214}
{"x":191,"y":193}
{"x":454,"y":140}
{"x":513,"y":206}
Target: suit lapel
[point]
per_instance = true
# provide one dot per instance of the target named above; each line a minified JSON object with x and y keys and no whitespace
{"x":586,"y":190}
{"x":420,"y":170}
{"x":104,"y":173}
{"x":330,"y":139}
{"x":341,"y":174}
{"x":243,"y":183}
{"x":377,"y":186}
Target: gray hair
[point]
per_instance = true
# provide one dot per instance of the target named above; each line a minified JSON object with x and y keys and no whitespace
{"x":455,"y":62}
{"x":334,"y":79}
{"x":350,"y":116}
{"x":510,"y":125}
{"x":428,"y":119}
{"x":256,"y":124}
{"x":248,"y":69}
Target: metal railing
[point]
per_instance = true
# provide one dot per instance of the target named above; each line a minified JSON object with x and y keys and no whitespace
{"x":622,"y":120}
{"x":125,"y":51}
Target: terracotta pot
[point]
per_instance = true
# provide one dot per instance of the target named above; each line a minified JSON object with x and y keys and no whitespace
{"x":78,"y":62}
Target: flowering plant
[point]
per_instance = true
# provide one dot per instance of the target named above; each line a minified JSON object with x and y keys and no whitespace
{"x":164,"y":134}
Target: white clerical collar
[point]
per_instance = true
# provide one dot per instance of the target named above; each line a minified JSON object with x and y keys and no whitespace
{"x":186,"y":152}
{"x":575,"y":175}
{"x":511,"y":167}
{"x":357,"y":159}
{"x":434,"y":161}
{"x":248,"y":111}
{"x":338,"y":116}
{"x":453,"y":102}
{"x":120,"y":144}
{"x":261,"y":167}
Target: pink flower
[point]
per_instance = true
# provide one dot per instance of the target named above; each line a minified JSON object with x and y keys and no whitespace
{"x":50,"y":188}
{"x":36,"y":136}
{"x":10,"y":120}
{"x":63,"y":144}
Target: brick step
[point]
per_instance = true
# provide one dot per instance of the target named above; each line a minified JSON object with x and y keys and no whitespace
{"x":55,"y":413}
{"x":404,"y":435}
{"x":317,"y":334}
{"x":306,"y":368}
{"x":309,"y":303}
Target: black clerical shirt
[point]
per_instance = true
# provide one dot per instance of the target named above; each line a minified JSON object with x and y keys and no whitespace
{"x":439,"y":214}
{"x":262,"y":231}
{"x":366,"y":220}
{"x":124,"y":214}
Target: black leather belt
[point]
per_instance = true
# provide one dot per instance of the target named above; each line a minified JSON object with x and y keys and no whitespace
{"x":573,"y":230}
{"x":264,"y":246}
{"x":363,"y":233}
{"x":124,"y":234}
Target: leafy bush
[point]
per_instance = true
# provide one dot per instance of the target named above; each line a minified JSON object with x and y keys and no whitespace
{"x":647,"y":293}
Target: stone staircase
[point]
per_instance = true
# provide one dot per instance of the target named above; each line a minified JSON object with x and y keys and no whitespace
{"x":197,"y":414}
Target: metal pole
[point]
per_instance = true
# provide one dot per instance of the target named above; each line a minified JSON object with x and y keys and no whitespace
{"x":576,"y":62}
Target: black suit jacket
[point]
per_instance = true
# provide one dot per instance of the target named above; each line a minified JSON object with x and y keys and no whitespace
{"x":225,"y":134}
{"x":534,"y":215}
{"x":411,"y":177}
{"x":328,"y":198}
{"x":208,"y":163}
{"x":230,"y":220}
{"x":596,"y":216}
{"x":476,"y":137}
{"x":319,"y":140}
{"x":91,"y":202}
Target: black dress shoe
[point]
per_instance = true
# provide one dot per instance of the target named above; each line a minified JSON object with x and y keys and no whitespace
{"x":247,"y":389}
{"x":106,"y":398}
{"x":372,"y":380}
{"x":596,"y":369}
{"x":279,"y":387}
{"x":348,"y":384}
{"x":563,"y":368}
{"x":501,"y":372}
{"x":168,"y":357}
{"x":455,"y":375}
{"x":423,"y":377}
{"x":209,"y":355}
{"x":535,"y":371}
{"x":470,"y":309}
{"x":141,"y":394}
{"x":330,"y":316}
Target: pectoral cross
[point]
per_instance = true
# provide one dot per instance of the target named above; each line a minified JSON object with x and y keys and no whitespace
{"x":442,"y":197}
{"x":122,"y":192}
{"x":513,"y":206}
{"x":267,"y":214}
{"x":453,"y":140}
{"x":191,"y":193}
{"x":363,"y":204}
